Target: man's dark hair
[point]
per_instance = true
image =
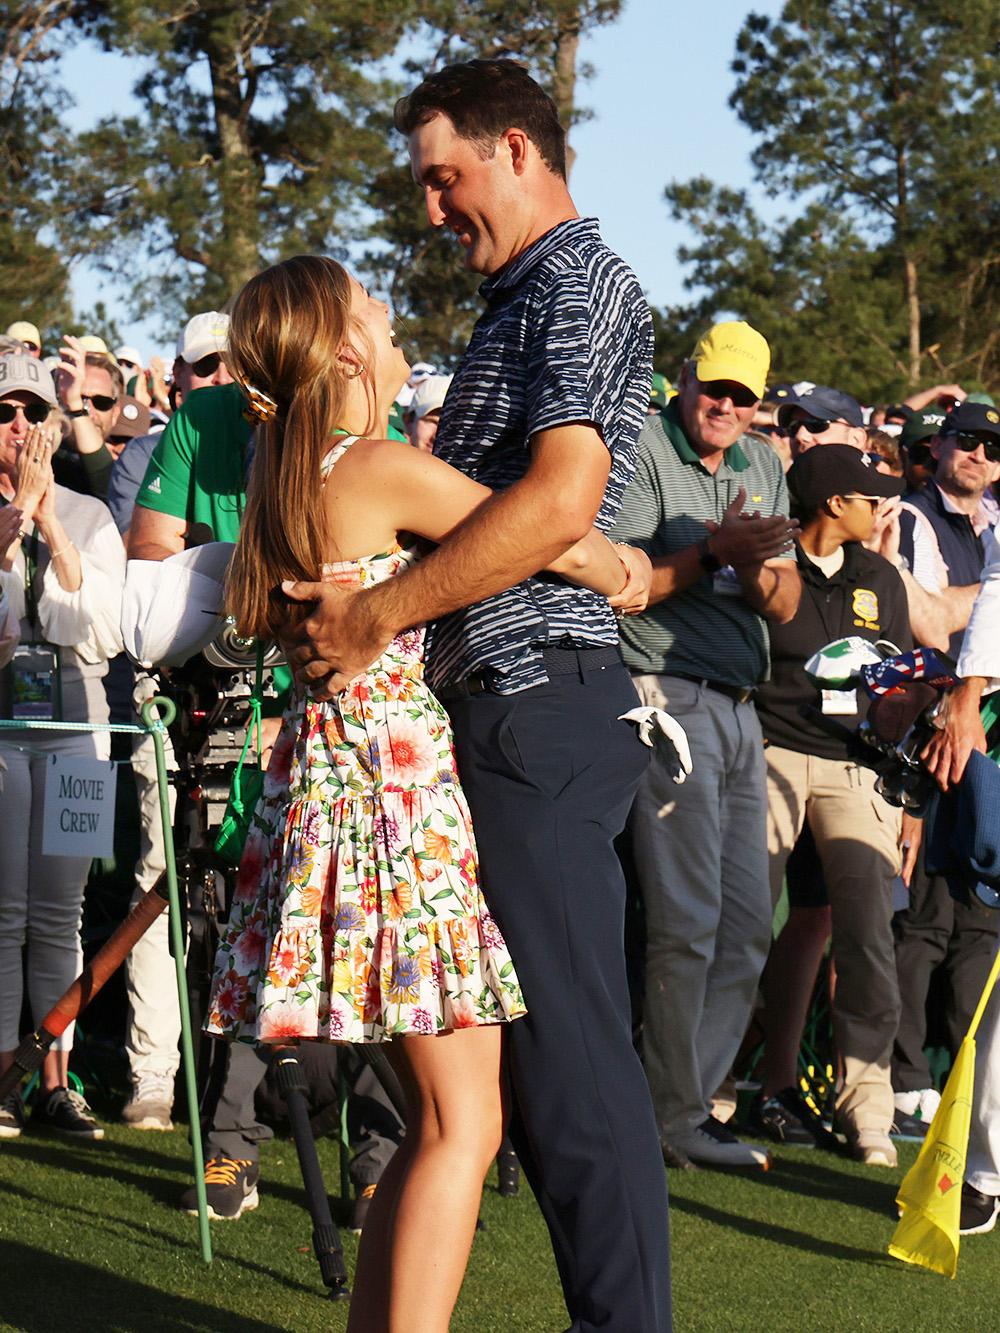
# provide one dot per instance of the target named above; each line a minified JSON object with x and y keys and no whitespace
{"x":483,"y":99}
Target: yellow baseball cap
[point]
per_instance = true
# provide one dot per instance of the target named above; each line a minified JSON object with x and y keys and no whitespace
{"x":25,"y":331}
{"x":90,"y":342}
{"x":733,"y":351}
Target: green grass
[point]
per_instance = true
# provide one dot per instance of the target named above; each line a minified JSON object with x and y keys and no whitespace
{"x":91,"y":1239}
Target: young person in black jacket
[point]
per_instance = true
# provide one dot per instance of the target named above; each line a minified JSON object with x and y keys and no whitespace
{"x":846,"y":590}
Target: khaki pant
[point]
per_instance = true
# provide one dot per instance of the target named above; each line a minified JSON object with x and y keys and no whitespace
{"x":857,"y":835}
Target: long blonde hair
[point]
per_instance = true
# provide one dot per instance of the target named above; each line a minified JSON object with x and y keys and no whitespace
{"x":287,"y":328}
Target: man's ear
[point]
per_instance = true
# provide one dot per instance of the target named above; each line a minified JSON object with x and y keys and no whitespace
{"x":520,"y":147}
{"x":937,"y":444}
{"x":835,"y":506}
{"x":858,"y":437}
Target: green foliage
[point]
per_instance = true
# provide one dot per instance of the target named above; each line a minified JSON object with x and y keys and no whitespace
{"x":254,"y":143}
{"x":883,"y":119}
{"x":34,"y":280}
{"x":437,"y":302}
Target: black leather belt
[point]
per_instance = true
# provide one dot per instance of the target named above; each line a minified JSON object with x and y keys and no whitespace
{"x":740,"y":694}
{"x":557,"y":662}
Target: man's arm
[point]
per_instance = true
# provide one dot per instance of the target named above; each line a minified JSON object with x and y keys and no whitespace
{"x":511,"y":536}
{"x":155,"y":536}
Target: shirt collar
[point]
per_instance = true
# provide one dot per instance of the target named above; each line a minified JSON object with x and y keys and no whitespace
{"x":735,"y":459}
{"x":521,"y":265}
{"x":980,"y":520}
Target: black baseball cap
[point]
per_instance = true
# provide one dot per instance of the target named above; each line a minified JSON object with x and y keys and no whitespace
{"x":838,"y":469}
{"x":818,"y":400}
{"x":972,"y":416}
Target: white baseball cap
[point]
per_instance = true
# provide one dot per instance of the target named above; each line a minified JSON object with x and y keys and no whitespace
{"x":20,"y":373}
{"x":202,"y":335}
{"x":428,"y":396}
{"x":131,"y":354}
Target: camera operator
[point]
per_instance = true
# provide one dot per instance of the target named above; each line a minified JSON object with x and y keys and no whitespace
{"x":196,"y":479}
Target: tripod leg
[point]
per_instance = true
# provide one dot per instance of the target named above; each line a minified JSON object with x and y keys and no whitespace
{"x":326,"y":1239}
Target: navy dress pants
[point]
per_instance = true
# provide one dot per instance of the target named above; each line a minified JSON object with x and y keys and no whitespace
{"x":550,"y":775}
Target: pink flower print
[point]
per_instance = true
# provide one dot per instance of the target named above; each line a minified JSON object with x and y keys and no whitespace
{"x":249,"y":946}
{"x":229,"y":999}
{"x":287,"y":1020}
{"x":280,"y":766}
{"x":422,"y":1022}
{"x":408,"y":753}
{"x":490,"y":932}
{"x":463,"y":1010}
{"x":286,"y":966}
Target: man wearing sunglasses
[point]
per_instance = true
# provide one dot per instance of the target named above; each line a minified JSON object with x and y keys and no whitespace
{"x":198,"y":363}
{"x":710,"y":507}
{"x":816,"y":414}
{"x":915,"y":446}
{"x":946,"y":529}
{"x":91,"y":388}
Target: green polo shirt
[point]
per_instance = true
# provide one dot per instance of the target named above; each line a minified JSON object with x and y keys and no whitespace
{"x":198,"y":468}
{"x":709,"y":629}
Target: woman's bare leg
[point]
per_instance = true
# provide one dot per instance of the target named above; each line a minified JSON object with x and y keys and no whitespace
{"x":416,"y":1241}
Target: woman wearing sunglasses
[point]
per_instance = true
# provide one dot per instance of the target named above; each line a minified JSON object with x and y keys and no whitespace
{"x":61,"y":572}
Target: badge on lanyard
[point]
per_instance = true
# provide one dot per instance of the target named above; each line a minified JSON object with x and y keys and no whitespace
{"x":31,"y":686}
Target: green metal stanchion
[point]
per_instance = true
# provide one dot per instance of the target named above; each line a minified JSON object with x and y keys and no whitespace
{"x":157,"y":714}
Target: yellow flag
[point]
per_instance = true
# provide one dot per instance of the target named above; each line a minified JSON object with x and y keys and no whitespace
{"x":930,"y":1196}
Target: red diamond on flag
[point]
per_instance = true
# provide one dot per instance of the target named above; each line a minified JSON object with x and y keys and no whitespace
{"x":945,"y":1184}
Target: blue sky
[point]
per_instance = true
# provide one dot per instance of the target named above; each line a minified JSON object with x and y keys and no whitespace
{"x":659,"y":97}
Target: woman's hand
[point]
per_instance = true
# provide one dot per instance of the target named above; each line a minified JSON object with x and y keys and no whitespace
{"x":34,"y":474}
{"x":884,"y":539}
{"x":11,"y":520}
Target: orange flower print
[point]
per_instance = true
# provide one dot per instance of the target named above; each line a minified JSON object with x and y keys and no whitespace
{"x":229,"y":999}
{"x":438,"y":846}
{"x":287,"y":966}
{"x":461,"y":947}
{"x":334,"y":732}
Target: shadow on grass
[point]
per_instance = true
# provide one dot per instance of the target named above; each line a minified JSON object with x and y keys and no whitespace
{"x":150,"y":1238}
{"x":814,"y":1179}
{"x":96,"y":1298}
{"x":124,"y":1165}
{"x":797,"y":1240}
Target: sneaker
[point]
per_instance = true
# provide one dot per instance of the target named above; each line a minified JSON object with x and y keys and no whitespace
{"x":787,"y":1118}
{"x":979,"y":1212}
{"x":66,"y":1112}
{"x":359,"y":1212}
{"x":230,"y":1189}
{"x":11,"y":1114}
{"x":713,"y":1144}
{"x":151,"y":1102}
{"x":872,"y":1147}
{"x":908,"y":1128}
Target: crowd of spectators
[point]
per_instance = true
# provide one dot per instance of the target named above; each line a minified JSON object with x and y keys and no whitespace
{"x":777,"y":519}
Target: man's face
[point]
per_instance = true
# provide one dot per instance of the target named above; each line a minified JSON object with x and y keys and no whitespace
{"x":918,"y":464}
{"x":100,"y":400}
{"x":423,"y":432}
{"x":806,"y":431}
{"x":201,"y":374}
{"x":716,"y":414}
{"x":964,"y":474}
{"x":475,"y":198}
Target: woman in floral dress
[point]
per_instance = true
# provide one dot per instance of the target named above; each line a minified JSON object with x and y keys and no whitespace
{"x":357,"y":914}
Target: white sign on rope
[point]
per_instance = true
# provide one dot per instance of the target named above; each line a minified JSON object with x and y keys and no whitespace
{"x":79,"y":807}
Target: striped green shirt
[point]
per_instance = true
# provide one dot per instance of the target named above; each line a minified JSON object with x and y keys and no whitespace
{"x":709,"y":629}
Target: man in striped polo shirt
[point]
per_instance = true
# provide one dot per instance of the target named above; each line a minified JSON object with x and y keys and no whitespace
{"x":545,"y":407}
{"x":710,"y":507}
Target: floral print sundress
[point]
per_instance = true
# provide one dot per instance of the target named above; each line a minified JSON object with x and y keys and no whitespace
{"x":357,"y":913}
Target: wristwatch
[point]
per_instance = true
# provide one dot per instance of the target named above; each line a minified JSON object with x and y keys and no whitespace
{"x":710,"y":563}
{"x":902,"y":564}
{"x":80,"y":412}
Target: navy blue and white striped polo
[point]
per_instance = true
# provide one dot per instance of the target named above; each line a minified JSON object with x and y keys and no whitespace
{"x":566,"y":337}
